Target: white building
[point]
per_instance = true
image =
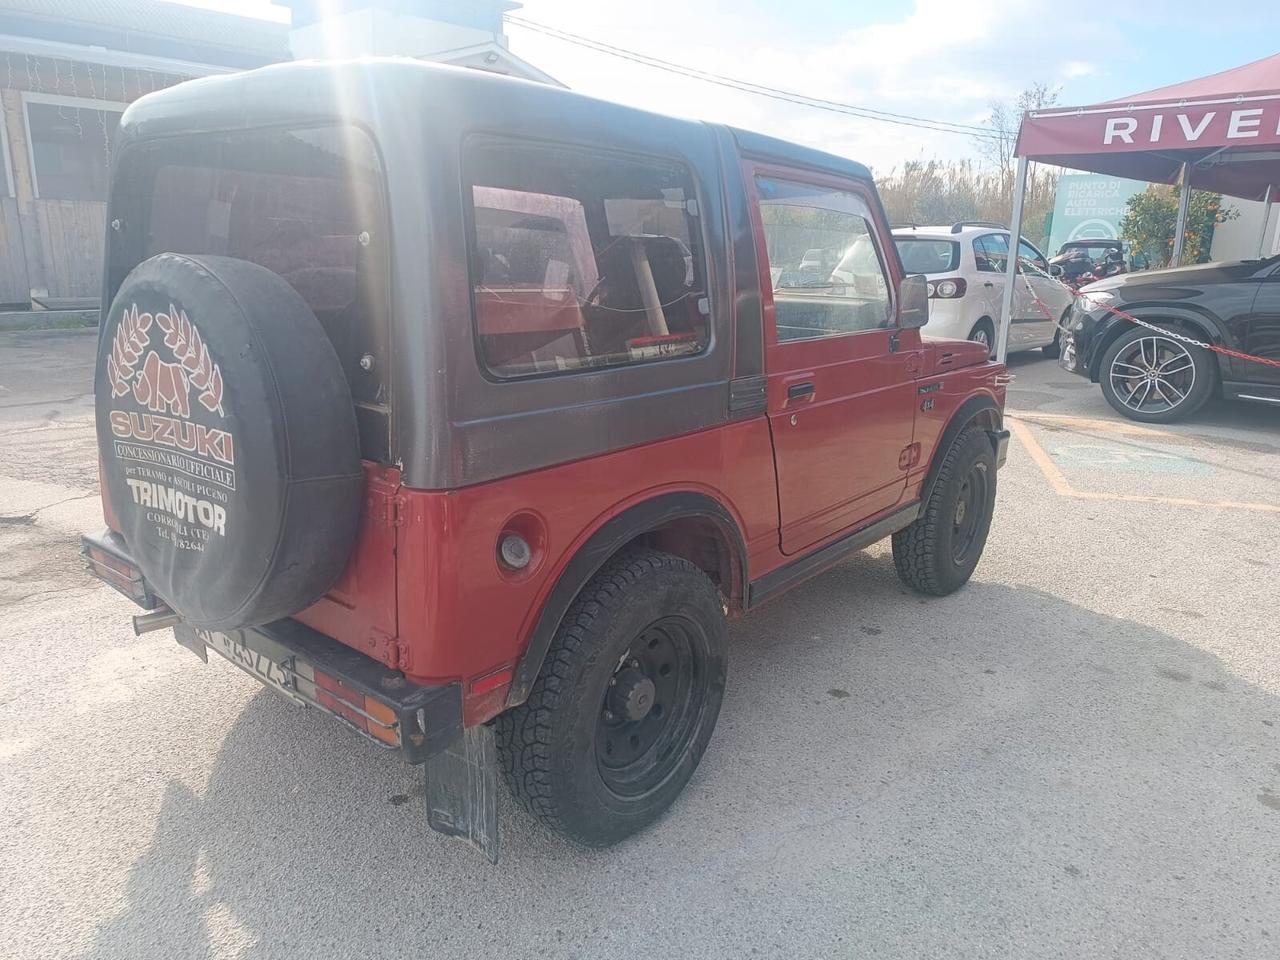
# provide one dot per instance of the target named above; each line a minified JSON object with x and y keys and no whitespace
{"x":467,"y":33}
{"x":69,"y":68}
{"x":1238,"y":239}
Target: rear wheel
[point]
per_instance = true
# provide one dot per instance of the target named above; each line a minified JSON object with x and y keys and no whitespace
{"x":626,"y":702}
{"x":1156,"y":378}
{"x":939,"y":551}
{"x":983,"y":332}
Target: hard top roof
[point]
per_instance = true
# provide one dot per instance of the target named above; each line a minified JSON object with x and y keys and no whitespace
{"x":374,"y":90}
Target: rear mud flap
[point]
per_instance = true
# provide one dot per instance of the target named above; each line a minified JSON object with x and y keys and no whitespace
{"x":462,"y":794}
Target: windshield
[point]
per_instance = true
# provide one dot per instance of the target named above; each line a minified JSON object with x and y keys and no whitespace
{"x":927,"y":255}
{"x":1091,"y":252}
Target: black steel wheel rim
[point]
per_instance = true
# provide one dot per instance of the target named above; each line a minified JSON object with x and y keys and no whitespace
{"x":971,"y":504}
{"x":651,"y":707}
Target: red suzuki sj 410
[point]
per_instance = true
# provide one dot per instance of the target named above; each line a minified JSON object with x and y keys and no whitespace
{"x":467,"y":410}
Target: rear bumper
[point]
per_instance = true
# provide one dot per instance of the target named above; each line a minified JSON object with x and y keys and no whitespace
{"x":317,"y":671}
{"x":307,"y":667}
{"x":948,"y":319}
{"x":108,"y":559}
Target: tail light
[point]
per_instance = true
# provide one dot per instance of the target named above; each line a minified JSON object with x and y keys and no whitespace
{"x":950,"y":289}
{"x":364,"y":713}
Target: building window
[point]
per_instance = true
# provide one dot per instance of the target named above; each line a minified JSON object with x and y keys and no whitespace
{"x":70,"y":142}
{"x":582,"y":260}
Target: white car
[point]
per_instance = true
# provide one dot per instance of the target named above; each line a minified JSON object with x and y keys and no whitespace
{"x":965,"y":265}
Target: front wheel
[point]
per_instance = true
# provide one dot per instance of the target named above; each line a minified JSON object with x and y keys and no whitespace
{"x":1154,"y":377}
{"x":939,"y":551}
{"x":1054,"y":350}
{"x":626,"y":701}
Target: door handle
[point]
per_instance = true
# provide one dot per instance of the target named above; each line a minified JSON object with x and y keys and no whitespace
{"x":797,"y":390}
{"x":894,"y":342}
{"x":988,"y":283}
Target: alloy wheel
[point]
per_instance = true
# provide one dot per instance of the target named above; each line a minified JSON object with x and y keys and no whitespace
{"x":1152,"y":374}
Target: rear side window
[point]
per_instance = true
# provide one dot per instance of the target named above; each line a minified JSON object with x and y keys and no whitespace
{"x":582,"y":260}
{"x":827,"y":275}
{"x":925,"y":255}
{"x":991,"y":252}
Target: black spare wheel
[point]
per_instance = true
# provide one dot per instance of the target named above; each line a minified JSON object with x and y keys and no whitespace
{"x":228,"y":440}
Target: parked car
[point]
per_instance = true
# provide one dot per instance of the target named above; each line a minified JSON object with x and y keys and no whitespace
{"x":467,"y":410}
{"x":965,"y":265}
{"x":1093,"y":259}
{"x":1156,"y":376}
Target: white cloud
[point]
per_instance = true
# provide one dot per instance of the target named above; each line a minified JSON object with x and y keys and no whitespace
{"x":1079,"y":68}
{"x":945,"y":59}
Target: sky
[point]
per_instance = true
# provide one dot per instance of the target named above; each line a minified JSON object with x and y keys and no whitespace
{"x":941,"y":59}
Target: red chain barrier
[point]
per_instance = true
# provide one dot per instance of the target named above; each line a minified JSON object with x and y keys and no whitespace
{"x":1225,"y":351}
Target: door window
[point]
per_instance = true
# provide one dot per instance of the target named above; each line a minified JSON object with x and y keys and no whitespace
{"x":827,"y":273}
{"x":582,"y":260}
{"x":991,"y":252}
{"x":1029,"y":256}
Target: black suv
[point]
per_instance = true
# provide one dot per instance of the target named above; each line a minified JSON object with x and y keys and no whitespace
{"x":1155,"y":375}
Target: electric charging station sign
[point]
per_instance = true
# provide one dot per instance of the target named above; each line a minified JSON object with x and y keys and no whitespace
{"x":1089,"y":206}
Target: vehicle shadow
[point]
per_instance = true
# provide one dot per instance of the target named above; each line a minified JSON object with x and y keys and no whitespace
{"x":903,"y":773}
{"x":1045,"y":389}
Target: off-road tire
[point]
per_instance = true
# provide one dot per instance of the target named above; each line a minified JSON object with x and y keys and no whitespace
{"x":548,"y":746}
{"x":924,"y":552}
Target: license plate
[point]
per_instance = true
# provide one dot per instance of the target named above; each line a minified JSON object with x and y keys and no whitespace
{"x":277,"y":674}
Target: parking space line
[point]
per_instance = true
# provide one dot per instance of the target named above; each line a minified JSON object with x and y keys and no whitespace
{"x":1042,"y":459}
{"x":1107,"y":426}
{"x":1064,"y":488}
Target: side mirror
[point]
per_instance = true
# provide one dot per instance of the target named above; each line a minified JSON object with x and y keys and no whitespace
{"x":1055,"y":270}
{"x":913,"y":302}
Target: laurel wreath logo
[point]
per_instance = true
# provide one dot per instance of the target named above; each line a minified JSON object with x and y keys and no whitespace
{"x":191,"y":351}
{"x":133,"y":337}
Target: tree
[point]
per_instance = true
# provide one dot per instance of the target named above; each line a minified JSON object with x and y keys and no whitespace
{"x":938,"y":192}
{"x":1151,"y":218}
{"x":1004,"y":121}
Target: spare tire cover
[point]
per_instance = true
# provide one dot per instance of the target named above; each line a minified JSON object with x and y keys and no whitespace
{"x":228,"y":440}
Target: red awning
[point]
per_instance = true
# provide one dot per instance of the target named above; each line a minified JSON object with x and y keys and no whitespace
{"x":1226,"y":124}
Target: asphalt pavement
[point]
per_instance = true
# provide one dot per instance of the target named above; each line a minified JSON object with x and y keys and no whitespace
{"x":1077,"y":755}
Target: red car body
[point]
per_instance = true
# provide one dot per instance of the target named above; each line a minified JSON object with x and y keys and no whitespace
{"x":760,"y":457}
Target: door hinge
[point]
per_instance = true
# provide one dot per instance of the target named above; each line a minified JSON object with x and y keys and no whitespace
{"x":393,"y":512}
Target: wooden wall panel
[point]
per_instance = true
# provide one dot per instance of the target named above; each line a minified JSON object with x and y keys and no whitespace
{"x":14,"y":286}
{"x":71,"y":237}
